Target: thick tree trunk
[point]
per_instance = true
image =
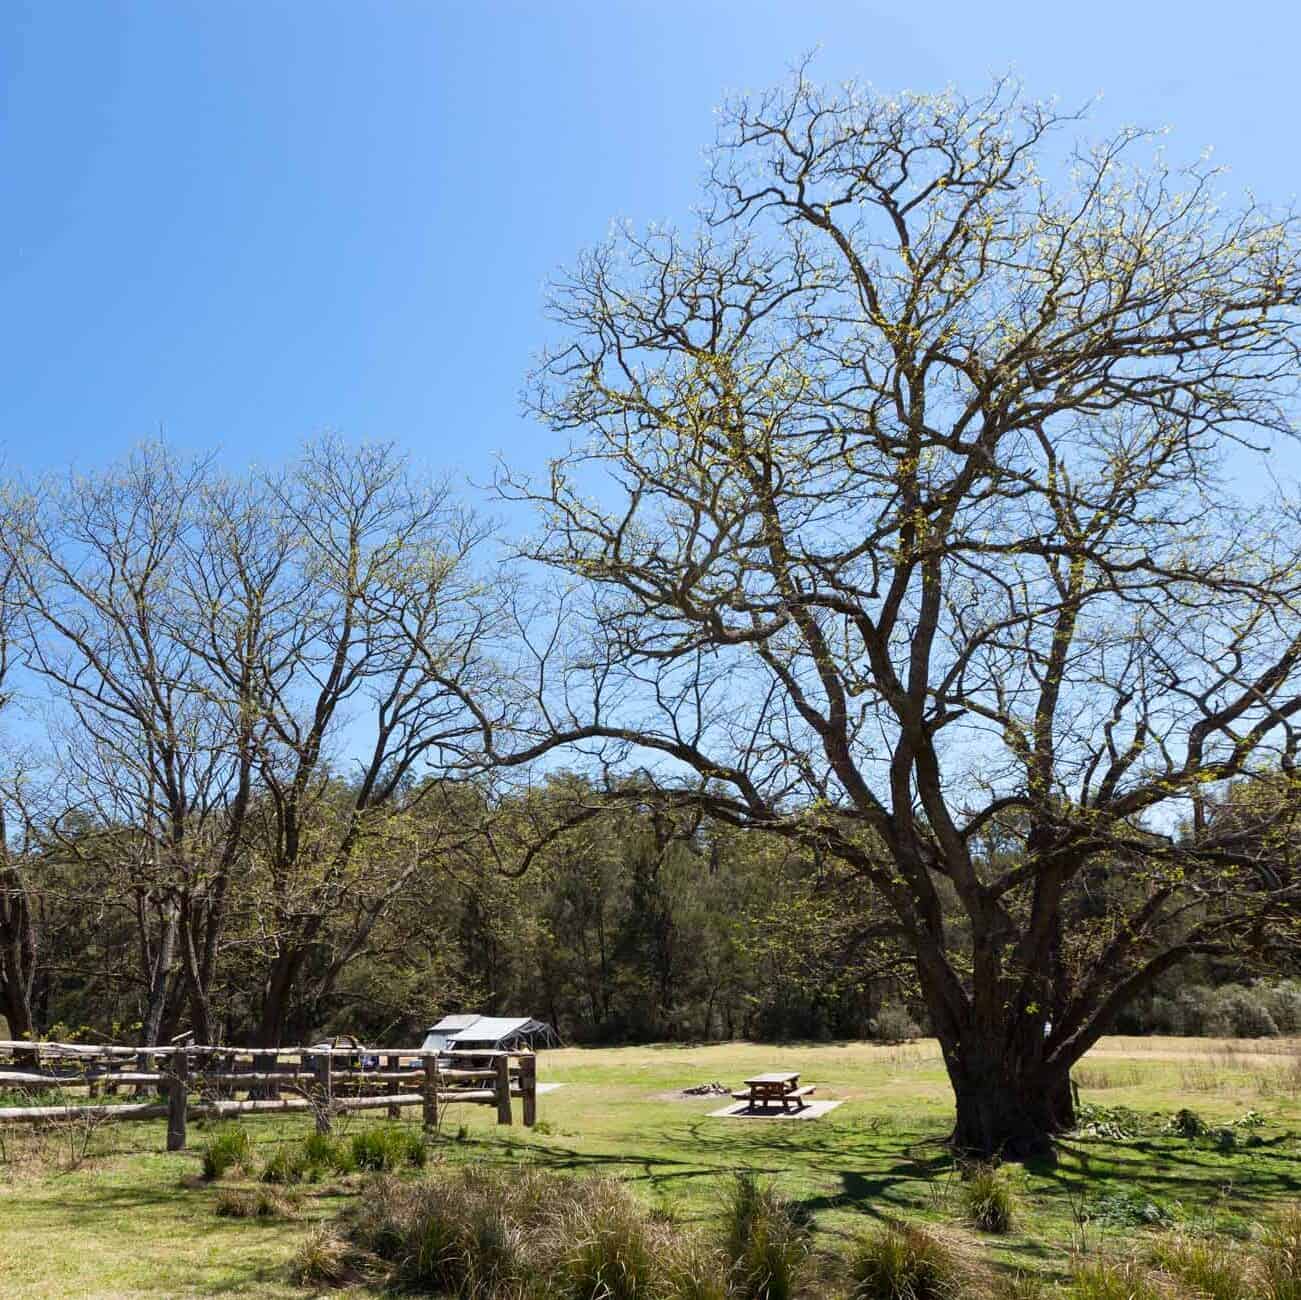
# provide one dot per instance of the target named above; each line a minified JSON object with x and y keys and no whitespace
{"x":1008,"y":1111}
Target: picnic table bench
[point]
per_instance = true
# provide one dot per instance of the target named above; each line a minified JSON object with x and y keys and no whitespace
{"x":776,"y":1088}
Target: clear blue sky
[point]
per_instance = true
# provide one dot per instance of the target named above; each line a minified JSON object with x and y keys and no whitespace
{"x":243,"y":222}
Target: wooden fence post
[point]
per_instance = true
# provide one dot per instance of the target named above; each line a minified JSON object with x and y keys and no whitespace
{"x":430,"y":1108}
{"x":178,"y":1087}
{"x":503,"y":1089}
{"x":393,"y":1063}
{"x":324,"y":1090}
{"x":528,"y":1086}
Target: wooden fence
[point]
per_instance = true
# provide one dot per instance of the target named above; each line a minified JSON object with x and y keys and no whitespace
{"x":197,"y":1082}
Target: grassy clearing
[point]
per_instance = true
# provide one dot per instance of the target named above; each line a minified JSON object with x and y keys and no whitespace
{"x":108,"y":1215}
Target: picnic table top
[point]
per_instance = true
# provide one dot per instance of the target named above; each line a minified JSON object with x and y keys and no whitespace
{"x":774,"y":1077}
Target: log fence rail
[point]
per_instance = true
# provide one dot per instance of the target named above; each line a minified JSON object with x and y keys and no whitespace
{"x":199,"y":1081}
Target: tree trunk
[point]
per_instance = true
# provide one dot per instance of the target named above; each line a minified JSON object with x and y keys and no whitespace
{"x":1008,"y":1111}
{"x":158,"y":975}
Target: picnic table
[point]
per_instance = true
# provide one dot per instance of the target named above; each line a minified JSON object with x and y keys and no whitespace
{"x":775,"y":1088}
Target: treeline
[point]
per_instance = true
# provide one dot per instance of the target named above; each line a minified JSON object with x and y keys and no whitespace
{"x":635,"y":926}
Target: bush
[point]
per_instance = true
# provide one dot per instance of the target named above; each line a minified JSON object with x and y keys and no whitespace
{"x":1283,"y":1002}
{"x":228,"y":1148}
{"x":894,"y":1025}
{"x":1167,"y":1016}
{"x":902,"y":1263}
{"x":386,"y":1148}
{"x":1281,"y":1262}
{"x":1237,"y":1012}
{"x":766,"y":1242}
{"x":1186,"y":1123}
{"x":988,"y":1199}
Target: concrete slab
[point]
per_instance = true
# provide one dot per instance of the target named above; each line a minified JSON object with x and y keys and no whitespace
{"x":741,"y":1110}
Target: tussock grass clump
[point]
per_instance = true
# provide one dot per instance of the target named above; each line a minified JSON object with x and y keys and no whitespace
{"x":386,"y":1148}
{"x":255,"y":1203}
{"x":287,"y":1166}
{"x":314,"y":1157}
{"x":903,"y":1262}
{"x":765,"y":1240}
{"x":1204,"y":1266}
{"x":1108,"y":1279}
{"x":1281,"y":1261}
{"x":323,"y":1259}
{"x":615,"y":1255}
{"x":325,"y":1153}
{"x":526,"y":1235}
{"x":230,"y":1147}
{"x":988,"y":1199}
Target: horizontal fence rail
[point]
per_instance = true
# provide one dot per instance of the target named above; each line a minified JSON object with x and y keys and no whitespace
{"x":202,"y":1081}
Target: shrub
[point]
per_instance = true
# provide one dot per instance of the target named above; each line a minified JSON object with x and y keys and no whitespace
{"x":1194,"y":1003}
{"x":902,"y":1263}
{"x":766,"y":1242}
{"x":386,"y":1148}
{"x":1205,"y":1266}
{"x":228,"y":1148}
{"x":1167,"y":1016}
{"x":1106,"y":1279}
{"x":1283,"y":1001}
{"x":1186,"y":1123}
{"x":988,"y":1199}
{"x":894,"y":1025}
{"x":1281,"y":1261}
{"x":1237,"y":1012}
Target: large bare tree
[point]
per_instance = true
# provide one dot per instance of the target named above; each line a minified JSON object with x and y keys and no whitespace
{"x":901,"y":496}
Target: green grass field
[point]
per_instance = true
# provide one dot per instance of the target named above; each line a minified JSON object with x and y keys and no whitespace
{"x":107,"y":1214}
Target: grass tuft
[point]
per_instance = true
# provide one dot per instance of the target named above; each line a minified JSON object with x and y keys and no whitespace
{"x":322,"y":1259}
{"x":228,"y":1148}
{"x":988,"y":1199}
{"x":1205,"y":1266}
{"x":903,"y":1262}
{"x":765,"y":1240}
{"x":387,"y":1148}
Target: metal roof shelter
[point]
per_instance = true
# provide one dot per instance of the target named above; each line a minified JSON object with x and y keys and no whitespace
{"x":499,"y":1033}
